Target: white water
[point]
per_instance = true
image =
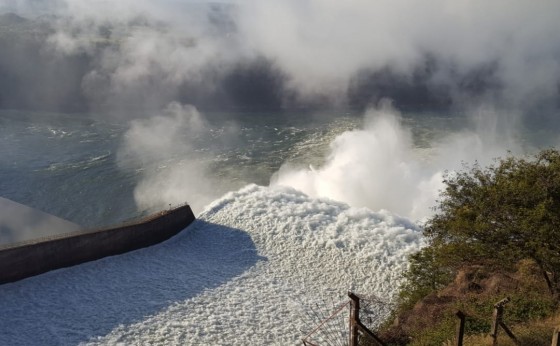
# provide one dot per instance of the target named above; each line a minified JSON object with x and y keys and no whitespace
{"x":379,"y":166}
{"x":239,"y":275}
{"x":256,"y":259}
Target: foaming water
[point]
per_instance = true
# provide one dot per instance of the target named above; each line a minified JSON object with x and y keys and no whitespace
{"x":245,"y":271}
{"x":383,"y":165}
{"x":257,"y":258}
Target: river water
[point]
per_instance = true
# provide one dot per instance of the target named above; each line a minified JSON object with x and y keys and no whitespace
{"x":265,"y":261}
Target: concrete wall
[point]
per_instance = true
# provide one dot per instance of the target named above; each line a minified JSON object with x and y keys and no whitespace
{"x":32,"y":258}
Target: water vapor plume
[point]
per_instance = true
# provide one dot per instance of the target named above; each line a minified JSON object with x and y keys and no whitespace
{"x":161,"y":149}
{"x":324,"y":44}
{"x":332,"y":53}
{"x":380,"y":167}
{"x":483,"y":58}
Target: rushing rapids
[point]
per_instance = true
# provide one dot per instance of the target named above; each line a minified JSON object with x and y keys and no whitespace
{"x":244,"y":271}
{"x":258,"y":259}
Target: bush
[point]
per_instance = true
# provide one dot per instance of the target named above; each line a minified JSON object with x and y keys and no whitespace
{"x":501,"y":215}
{"x":505,"y":219}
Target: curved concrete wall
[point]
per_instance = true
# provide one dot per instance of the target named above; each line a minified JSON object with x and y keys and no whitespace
{"x":23,"y":260}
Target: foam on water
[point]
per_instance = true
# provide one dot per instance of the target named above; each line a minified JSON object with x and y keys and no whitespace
{"x":241,"y":274}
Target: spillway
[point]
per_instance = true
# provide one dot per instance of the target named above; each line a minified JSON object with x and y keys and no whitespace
{"x":247,"y":270}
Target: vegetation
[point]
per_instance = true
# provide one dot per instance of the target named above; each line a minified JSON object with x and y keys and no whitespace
{"x":494,"y":234}
{"x":505,"y":213}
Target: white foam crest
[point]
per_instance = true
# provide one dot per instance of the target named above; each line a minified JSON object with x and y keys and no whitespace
{"x":311,"y":252}
{"x":379,"y":167}
{"x":372,"y":167}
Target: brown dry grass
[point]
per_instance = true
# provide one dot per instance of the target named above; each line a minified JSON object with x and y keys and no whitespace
{"x":536,"y":333}
{"x":474,"y":291}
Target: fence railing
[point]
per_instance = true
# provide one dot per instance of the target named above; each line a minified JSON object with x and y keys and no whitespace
{"x":497,"y":324}
{"x":358,"y":331}
{"x":360,"y":335}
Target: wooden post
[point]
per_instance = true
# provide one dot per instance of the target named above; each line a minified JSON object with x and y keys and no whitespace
{"x":496,"y":318}
{"x":509,"y":332}
{"x":461,"y":328}
{"x":556,"y":337}
{"x":497,"y":321}
{"x":354,"y":318}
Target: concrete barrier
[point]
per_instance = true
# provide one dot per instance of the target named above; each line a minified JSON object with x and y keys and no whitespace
{"x":22,"y":260}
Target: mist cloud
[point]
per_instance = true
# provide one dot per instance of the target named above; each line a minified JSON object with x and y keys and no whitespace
{"x":325,"y":43}
{"x":505,"y":52}
{"x":498,"y":61}
{"x":161,"y":149}
{"x":379,"y":166}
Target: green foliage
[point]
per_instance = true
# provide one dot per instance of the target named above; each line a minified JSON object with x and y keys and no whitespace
{"x":523,"y":307}
{"x":426,"y":273}
{"x":529,"y":306}
{"x":505,"y":220}
{"x":437,"y":335}
{"x":501,"y":215}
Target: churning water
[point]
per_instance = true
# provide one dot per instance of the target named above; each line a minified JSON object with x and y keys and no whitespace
{"x":258,"y":256}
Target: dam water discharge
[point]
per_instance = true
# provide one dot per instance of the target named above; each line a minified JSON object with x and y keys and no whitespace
{"x":263,"y":252}
{"x":245,"y":270}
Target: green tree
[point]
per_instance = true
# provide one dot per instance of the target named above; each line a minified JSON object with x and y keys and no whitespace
{"x":426,"y":273}
{"x":499,"y":215}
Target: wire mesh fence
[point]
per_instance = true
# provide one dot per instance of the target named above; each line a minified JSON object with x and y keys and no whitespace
{"x":347,"y":323}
